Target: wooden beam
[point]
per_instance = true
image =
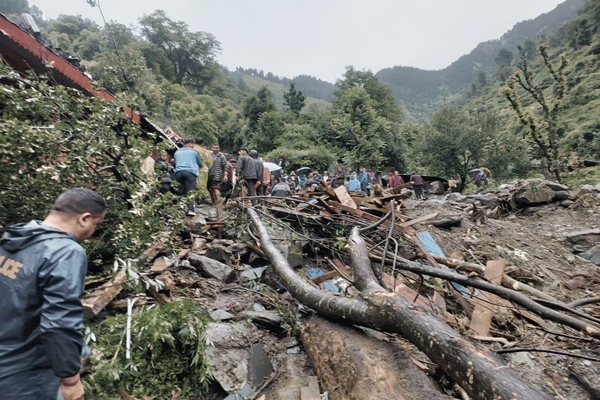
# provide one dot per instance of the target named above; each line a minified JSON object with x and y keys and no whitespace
{"x":484,"y":311}
{"x":100,"y":297}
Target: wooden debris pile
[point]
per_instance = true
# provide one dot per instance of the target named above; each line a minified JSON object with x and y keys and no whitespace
{"x":361,"y":260}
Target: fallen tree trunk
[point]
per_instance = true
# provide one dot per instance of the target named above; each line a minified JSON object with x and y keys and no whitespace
{"x":353,"y":365}
{"x":482,"y":374}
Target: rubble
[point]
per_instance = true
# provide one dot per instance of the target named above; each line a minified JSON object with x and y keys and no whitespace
{"x":488,"y":235}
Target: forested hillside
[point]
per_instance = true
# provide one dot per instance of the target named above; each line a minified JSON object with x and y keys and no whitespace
{"x":421,"y":92}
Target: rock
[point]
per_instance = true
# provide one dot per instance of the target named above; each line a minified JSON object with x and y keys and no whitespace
{"x":536,"y":192}
{"x":585,"y":235}
{"x":270,"y":320}
{"x":486,"y":199}
{"x":230,"y":352}
{"x":576,"y":282}
{"x":219,"y":252}
{"x":562,"y":195}
{"x":253,"y":274}
{"x":455,"y":197}
{"x":566,"y":203}
{"x":585,"y":189}
{"x":221,"y":315}
{"x":288,"y":243}
{"x":592,"y":255}
{"x":447,"y":223}
{"x":436,"y":187}
{"x":209,"y":268}
{"x":195,"y":223}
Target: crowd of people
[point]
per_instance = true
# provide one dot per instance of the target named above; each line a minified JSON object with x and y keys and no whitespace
{"x":248,"y":175}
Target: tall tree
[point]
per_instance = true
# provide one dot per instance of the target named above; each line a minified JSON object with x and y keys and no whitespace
{"x":454,"y":143}
{"x":14,"y":6}
{"x":191,"y":54}
{"x":294,"y":99}
{"x":257,"y":105}
{"x":380,"y":93}
{"x":359,"y":128}
{"x":540,"y":122}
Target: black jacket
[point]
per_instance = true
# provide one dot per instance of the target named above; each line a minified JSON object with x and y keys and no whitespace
{"x":42,"y":274}
{"x":246,"y":167}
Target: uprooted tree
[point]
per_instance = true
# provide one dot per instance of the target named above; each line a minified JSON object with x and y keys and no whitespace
{"x":481,"y":373}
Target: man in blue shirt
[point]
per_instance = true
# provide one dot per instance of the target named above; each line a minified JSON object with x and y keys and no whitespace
{"x":187,"y":169}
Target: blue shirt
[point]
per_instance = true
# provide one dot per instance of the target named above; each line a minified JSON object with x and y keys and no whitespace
{"x":364,"y":178}
{"x":187,"y":159}
{"x":353,"y":184}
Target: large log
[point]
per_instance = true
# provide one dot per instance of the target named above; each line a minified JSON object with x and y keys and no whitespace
{"x":352,"y":365}
{"x":481,"y":373}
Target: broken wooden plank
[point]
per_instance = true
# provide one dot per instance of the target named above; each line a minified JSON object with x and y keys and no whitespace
{"x":408,"y":293}
{"x":154,"y":250}
{"x":344,"y":197}
{"x":103,"y":295}
{"x":327,"y":275}
{"x":341,"y":268}
{"x":419,"y":219}
{"x":485,"y":309}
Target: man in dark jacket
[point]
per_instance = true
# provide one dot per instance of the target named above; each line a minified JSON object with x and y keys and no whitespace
{"x":418,"y":184}
{"x":42,"y":274}
{"x":246,"y":170}
{"x":217,"y":174}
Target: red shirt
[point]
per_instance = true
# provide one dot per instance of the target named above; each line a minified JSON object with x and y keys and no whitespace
{"x":395,"y":181}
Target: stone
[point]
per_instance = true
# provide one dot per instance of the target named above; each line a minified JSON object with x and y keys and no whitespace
{"x":221,"y":315}
{"x":592,"y":255}
{"x":209,"y":268}
{"x":436,"y":187}
{"x":585,"y":235}
{"x":486,"y":199}
{"x":534,"y":192}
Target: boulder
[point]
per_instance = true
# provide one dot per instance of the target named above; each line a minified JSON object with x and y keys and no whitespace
{"x":486,"y":199}
{"x":538,"y":191}
{"x":592,"y":255}
{"x":436,"y":187}
{"x":209,"y":268}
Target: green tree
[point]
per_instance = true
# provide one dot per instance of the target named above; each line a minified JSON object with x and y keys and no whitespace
{"x":359,"y":129}
{"x":294,"y":99}
{"x":191,"y":54}
{"x":53,"y":138}
{"x":504,"y":59}
{"x":541,"y":122}
{"x":380,"y":93}
{"x":14,"y":6}
{"x":269,"y":131}
{"x":255,"y":106}
{"x":453,"y":144}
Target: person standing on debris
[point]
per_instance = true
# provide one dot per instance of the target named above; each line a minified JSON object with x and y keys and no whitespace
{"x":452,"y":184}
{"x":395,"y":182}
{"x":339,"y":174}
{"x":418,"y":184}
{"x":353,"y":183}
{"x":217,"y":174}
{"x":187,"y":170}
{"x":164,"y":171}
{"x":281,"y":189}
{"x":228,"y":186}
{"x":246,"y":171}
{"x":365,"y":181}
{"x":42,"y":275}
{"x":149,"y":162}
{"x":260,"y":173}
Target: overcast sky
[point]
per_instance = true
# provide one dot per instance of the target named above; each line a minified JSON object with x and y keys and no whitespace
{"x":321,"y":37}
